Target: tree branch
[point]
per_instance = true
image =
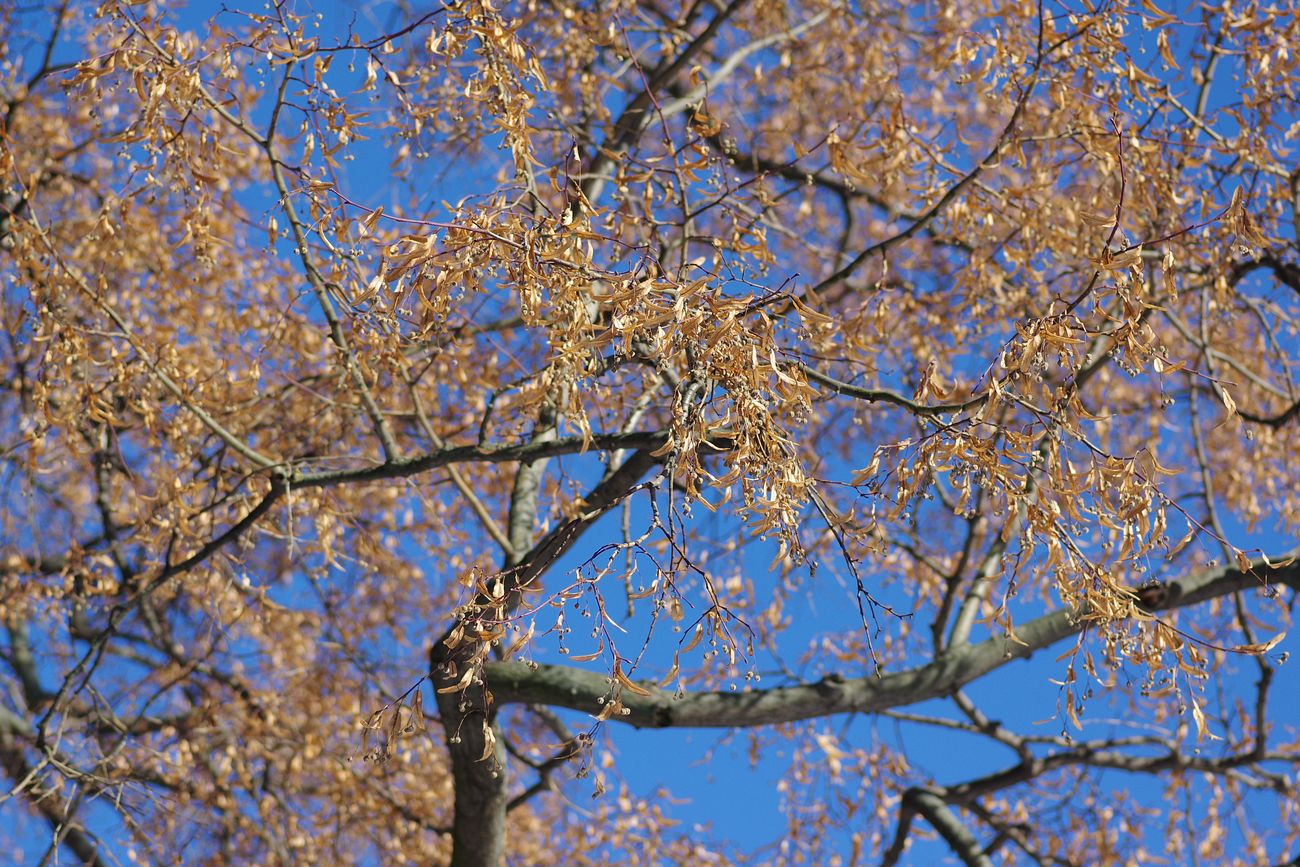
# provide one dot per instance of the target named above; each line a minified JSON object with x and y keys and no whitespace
{"x":47,"y":801}
{"x":936,"y":811}
{"x":468,"y":711}
{"x":583,"y":691}
{"x":492,"y":454}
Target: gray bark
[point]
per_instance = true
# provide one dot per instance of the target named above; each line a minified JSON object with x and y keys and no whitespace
{"x":573,"y":688}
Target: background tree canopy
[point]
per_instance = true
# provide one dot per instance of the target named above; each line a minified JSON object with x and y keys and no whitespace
{"x":402,"y":402}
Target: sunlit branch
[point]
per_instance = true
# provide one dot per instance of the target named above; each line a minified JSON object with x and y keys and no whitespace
{"x":216,"y":105}
{"x":1017,"y":833}
{"x":691,"y":98}
{"x":522,"y":519}
{"x":977,"y":593}
{"x":637,"y":114}
{"x":1236,"y":365}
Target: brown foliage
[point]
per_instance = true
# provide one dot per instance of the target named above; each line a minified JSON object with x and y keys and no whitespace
{"x":508,"y":346}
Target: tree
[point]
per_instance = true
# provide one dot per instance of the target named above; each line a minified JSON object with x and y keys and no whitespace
{"x":777,"y":366}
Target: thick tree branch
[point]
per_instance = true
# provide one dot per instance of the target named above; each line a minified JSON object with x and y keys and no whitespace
{"x":582,"y":690}
{"x":466,"y":711}
{"x":936,"y":811}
